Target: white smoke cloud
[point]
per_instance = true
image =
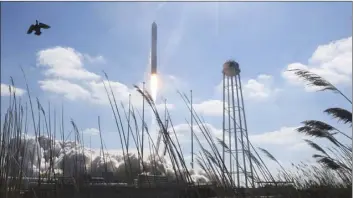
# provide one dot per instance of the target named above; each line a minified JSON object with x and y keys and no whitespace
{"x":47,"y":156}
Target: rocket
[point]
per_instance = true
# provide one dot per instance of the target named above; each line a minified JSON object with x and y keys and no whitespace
{"x":154,"y":49}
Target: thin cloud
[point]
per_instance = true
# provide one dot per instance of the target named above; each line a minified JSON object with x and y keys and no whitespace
{"x":209,"y":107}
{"x":259,"y":89}
{"x":95,"y":59}
{"x":90,"y":131}
{"x":332,"y":61}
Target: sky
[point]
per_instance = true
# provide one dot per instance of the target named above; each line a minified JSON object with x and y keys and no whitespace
{"x":64,"y":65}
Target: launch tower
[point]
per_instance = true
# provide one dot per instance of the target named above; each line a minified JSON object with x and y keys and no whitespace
{"x":235,"y":133}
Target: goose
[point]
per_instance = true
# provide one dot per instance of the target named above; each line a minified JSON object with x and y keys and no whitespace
{"x":37,"y":28}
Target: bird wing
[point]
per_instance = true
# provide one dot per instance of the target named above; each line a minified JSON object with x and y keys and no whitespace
{"x":30,"y":29}
{"x":45,"y":26}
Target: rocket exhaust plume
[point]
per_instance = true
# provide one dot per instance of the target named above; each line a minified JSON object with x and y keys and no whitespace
{"x":154,"y":79}
{"x":154,"y":86}
{"x":153,"y":63}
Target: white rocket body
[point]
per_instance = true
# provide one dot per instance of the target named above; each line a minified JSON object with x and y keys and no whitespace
{"x":154,"y":49}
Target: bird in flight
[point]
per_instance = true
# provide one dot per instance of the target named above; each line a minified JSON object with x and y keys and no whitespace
{"x":37,"y":28}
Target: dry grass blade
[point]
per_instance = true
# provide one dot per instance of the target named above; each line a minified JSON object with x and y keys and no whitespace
{"x":209,"y":155}
{"x":317,"y":133}
{"x":316,"y":146}
{"x":268,"y":154}
{"x":341,"y":114}
{"x":330,"y":163}
{"x":318,"y":125}
{"x":304,"y":129}
{"x":254,"y":159}
{"x":221,"y":142}
{"x":317,"y":156}
{"x":40,"y":107}
{"x":316,"y":80}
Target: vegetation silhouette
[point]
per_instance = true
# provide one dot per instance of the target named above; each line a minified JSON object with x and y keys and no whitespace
{"x":329,"y":176}
{"x":332,"y":175}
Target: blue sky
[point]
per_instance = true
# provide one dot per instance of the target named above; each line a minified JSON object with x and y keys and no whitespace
{"x":194,"y":40}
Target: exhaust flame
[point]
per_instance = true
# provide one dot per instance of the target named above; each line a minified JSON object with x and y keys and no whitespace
{"x":153,"y":89}
{"x":154,"y":86}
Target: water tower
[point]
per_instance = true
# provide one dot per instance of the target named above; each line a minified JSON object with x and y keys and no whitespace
{"x":235,"y":133}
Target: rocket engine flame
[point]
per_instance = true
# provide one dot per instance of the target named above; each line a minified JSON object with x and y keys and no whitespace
{"x":153,"y":90}
{"x":154,"y":86}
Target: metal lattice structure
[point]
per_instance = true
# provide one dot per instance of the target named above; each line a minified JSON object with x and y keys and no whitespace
{"x":235,"y":133}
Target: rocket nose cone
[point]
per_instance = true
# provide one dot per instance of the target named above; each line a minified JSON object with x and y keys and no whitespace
{"x":154,"y":24}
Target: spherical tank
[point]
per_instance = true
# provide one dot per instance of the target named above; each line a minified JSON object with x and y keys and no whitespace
{"x":231,"y":68}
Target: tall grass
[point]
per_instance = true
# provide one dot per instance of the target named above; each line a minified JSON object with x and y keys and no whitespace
{"x":331,"y":173}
